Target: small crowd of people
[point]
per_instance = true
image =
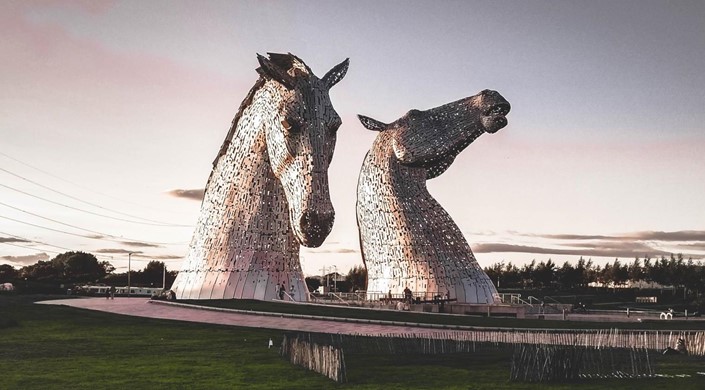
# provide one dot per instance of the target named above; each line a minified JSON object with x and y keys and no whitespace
{"x":409,"y":297}
{"x":281,"y":290}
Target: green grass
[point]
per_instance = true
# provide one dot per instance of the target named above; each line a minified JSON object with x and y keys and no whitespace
{"x":56,"y":347}
{"x":429,"y":318}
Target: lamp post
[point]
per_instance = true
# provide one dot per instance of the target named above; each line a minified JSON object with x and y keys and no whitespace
{"x":129,"y":270}
{"x":324,"y":276}
{"x":335,"y":278}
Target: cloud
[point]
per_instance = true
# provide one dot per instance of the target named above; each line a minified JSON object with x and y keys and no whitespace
{"x":683,"y":235}
{"x":196,"y":194}
{"x":25,"y":260}
{"x":12,"y":239}
{"x":630,"y":246}
{"x":166,"y":257}
{"x":95,"y":236}
{"x":574,"y":237}
{"x":696,"y":246}
{"x":140,"y":244}
{"x":597,"y":250}
{"x":117,"y":251}
{"x":339,"y":250}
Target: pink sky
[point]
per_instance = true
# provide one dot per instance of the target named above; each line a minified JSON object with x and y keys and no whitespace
{"x":131,"y":100}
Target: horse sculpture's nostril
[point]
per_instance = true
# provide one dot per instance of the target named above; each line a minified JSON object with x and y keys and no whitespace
{"x":316,"y":225}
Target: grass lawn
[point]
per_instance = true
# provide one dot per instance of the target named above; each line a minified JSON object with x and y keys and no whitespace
{"x":54,"y":347}
{"x":428,"y":318}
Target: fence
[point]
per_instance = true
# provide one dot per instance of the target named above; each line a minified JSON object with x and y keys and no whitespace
{"x":321,"y":358}
{"x":539,"y":355}
{"x":550,"y":363}
{"x":598,"y":338}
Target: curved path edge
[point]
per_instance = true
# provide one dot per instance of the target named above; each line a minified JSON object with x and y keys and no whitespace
{"x":290,"y":322}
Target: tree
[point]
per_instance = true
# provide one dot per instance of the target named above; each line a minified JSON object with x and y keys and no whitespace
{"x":636,"y":273}
{"x":68,"y":267}
{"x":40,"y":271}
{"x":543,"y":275}
{"x":312,"y":283}
{"x":357,"y":278}
{"x":584,"y":272}
{"x":527,"y":274}
{"x":79,"y":267}
{"x":605,"y":275}
{"x":495,"y":272}
{"x":620,"y":272}
{"x":8,"y":273}
{"x":692,"y":279}
{"x":660,"y":273}
{"x":568,"y":276}
{"x":511,"y":277}
{"x":153,"y":273}
{"x":648,"y":269}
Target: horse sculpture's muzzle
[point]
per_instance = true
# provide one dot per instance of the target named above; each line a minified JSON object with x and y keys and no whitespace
{"x":315,"y":227}
{"x":495,"y":109}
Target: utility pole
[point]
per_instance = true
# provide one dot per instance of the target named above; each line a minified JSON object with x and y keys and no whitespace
{"x":164,"y":278}
{"x":129,"y":271}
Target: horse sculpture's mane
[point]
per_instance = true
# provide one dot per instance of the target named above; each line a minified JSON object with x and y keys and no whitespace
{"x":245,"y":103}
{"x":285,"y":61}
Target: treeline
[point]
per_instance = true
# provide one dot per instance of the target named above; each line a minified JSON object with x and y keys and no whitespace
{"x":674,"y":271}
{"x":75,"y":268}
{"x":355,"y":280}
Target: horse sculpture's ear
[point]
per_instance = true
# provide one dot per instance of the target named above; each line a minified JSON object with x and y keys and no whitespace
{"x":336,"y":74}
{"x":273,"y":71}
{"x":371,"y":124}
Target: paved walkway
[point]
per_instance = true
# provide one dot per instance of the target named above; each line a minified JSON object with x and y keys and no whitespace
{"x":141,"y":307}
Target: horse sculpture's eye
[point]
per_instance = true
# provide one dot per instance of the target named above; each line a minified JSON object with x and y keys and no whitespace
{"x":290,"y":126}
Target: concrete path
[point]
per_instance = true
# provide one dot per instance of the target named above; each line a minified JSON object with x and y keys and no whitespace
{"x":141,"y":307}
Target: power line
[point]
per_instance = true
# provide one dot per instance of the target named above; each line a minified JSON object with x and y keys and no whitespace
{"x":55,"y":221}
{"x":134,"y":254}
{"x":90,"y":212}
{"x":84,"y":201}
{"x":53,"y":230}
{"x":29,"y":247}
{"x":76,"y":184}
{"x":43,"y":243}
{"x":102,"y":235}
{"x":34,"y":241}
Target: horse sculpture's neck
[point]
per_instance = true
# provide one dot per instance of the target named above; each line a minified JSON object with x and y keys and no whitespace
{"x":244,"y":215}
{"x":244,"y":183}
{"x":254,"y":192}
{"x":408,"y":240}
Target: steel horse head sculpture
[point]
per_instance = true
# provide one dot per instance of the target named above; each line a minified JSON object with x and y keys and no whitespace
{"x":268,"y":190}
{"x":407,"y":238}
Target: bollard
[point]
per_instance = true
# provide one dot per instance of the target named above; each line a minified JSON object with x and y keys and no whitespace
{"x":627,"y":312}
